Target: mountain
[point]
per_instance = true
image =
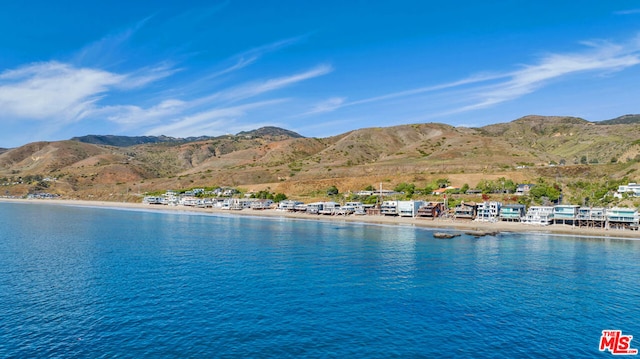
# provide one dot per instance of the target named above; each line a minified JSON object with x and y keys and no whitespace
{"x":128,"y":141}
{"x":270,"y":131}
{"x":283,"y":160}
{"x":622,"y":120}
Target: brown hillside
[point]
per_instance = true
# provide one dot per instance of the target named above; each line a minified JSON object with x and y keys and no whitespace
{"x":418,"y":153}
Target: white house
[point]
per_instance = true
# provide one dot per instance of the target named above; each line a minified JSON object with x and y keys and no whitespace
{"x":288,"y":205}
{"x":488,"y":211}
{"x":261,"y":204}
{"x":409,"y":208}
{"x":633,"y":189}
{"x":389,"y":208}
{"x":542,"y":215}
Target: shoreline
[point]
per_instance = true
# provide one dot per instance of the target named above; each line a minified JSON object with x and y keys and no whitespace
{"x":443,"y":224}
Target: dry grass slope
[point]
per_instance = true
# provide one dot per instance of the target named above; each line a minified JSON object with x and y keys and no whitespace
{"x":295,"y":165}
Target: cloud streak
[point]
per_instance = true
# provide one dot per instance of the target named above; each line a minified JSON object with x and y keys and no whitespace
{"x":211,"y":121}
{"x":52,"y":89}
{"x":627,"y":12}
{"x":260,"y":87}
{"x":602,"y":58}
{"x":251,"y":56}
{"x":177,"y":117}
{"x":490,"y":89}
{"x":58,"y":91}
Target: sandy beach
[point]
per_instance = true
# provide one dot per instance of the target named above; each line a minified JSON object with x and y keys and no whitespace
{"x":444,"y":224}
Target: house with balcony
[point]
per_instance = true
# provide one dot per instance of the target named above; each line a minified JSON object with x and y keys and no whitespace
{"x":329,"y":208}
{"x":539,"y":215}
{"x":465,"y":210}
{"x":409,"y":208}
{"x":238,"y":204}
{"x":512,"y":212}
{"x":314,"y":208}
{"x":389,"y":208}
{"x":288,"y":205}
{"x":565,"y":214}
{"x":261,"y":204}
{"x":430,"y":210}
{"x":591,"y":217}
{"x":622,"y":218}
{"x":488,"y":211}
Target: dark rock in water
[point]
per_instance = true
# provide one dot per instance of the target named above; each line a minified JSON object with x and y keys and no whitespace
{"x":482,"y":233}
{"x":442,"y":235}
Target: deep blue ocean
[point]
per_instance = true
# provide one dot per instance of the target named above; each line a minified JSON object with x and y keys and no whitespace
{"x":81,"y":282}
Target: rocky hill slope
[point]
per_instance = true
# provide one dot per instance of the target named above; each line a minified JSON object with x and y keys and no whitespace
{"x":281,"y":159}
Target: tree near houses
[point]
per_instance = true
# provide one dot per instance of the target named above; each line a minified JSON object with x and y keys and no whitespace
{"x":543,"y":192}
{"x":332,"y":191}
{"x":407,"y":188}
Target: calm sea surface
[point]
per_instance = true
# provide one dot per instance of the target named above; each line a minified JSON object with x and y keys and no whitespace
{"x":95,"y":282}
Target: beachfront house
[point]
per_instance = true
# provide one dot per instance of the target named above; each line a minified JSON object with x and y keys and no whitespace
{"x":565,"y":214}
{"x":591,"y":217}
{"x":239,"y":204}
{"x":188,"y":201}
{"x":409,"y":208}
{"x":288,"y":205}
{"x":352,"y":208}
{"x":465,"y":210}
{"x":430,"y":210}
{"x":329,"y":208}
{"x":389,"y":208}
{"x":319,"y":207}
{"x":622,"y":218}
{"x":314,"y":208}
{"x":488,"y":211}
{"x":261,"y":204}
{"x":171,"y":198}
{"x":152,"y":200}
{"x":540,"y":215}
{"x":512,"y":212}
{"x":204,"y":203}
{"x":300,"y":207}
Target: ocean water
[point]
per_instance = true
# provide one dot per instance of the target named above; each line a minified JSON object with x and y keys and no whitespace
{"x":96,"y":282}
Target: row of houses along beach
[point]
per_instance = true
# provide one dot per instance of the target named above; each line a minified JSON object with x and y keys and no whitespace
{"x":617,"y":218}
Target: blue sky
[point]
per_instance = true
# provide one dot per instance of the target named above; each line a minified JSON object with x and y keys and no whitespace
{"x":321,"y":68}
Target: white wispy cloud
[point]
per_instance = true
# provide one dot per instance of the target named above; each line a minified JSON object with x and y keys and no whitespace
{"x":211,"y":121}
{"x":601,"y":57}
{"x":52,"y":89}
{"x":328,"y":105}
{"x":260,"y":87}
{"x":145,"y":76}
{"x":58,"y":91}
{"x":251,"y":56}
{"x":190,"y":112}
{"x":490,"y":89}
{"x":255,"y":88}
{"x":107,"y":51}
{"x":627,"y":12}
{"x":132,"y":116}
{"x":421,"y":90}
